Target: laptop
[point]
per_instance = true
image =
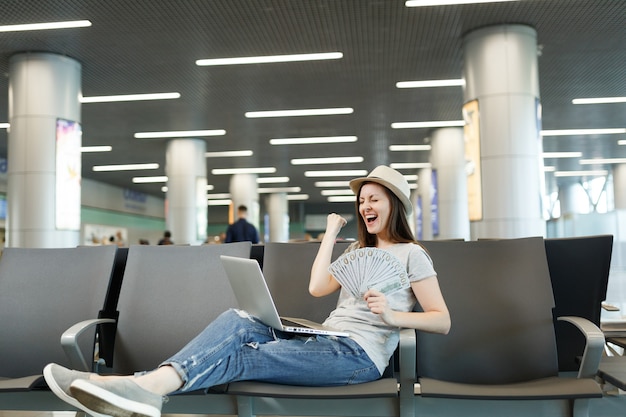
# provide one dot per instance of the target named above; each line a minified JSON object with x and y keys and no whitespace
{"x":253,"y":295}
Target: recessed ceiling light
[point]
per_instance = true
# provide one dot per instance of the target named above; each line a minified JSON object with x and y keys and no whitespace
{"x":225,"y":154}
{"x":46,"y":26}
{"x":232,"y":171}
{"x":130,"y":97}
{"x":125,"y":167}
{"x":404,"y":148}
{"x":269,"y":59}
{"x":599,"y":100}
{"x":548,"y":155}
{"x":315,"y":140}
{"x":148,"y":180}
{"x":621,"y":142}
{"x":576,"y":132}
{"x":104,"y":148}
{"x":430,"y":83}
{"x":297,"y":113}
{"x":4,"y":125}
{"x":433,"y":124}
{"x":336,"y":173}
{"x":335,"y":160}
{"x":425,"y":3}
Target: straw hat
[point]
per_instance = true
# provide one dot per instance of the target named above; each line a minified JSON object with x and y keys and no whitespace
{"x":391,"y":179}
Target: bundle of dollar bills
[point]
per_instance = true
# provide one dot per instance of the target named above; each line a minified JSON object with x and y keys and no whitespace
{"x":369,"y":268}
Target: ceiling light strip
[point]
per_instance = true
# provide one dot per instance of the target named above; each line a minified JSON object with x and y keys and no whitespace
{"x":405,"y":148}
{"x":549,"y":155}
{"x":46,"y":26}
{"x":314,"y":140}
{"x":234,"y":171}
{"x":599,"y":100}
{"x":591,"y":173}
{"x":427,"y":3}
{"x":431,"y":83}
{"x":410,"y":165}
{"x":103,"y":148}
{"x":125,"y":167}
{"x":297,"y":113}
{"x":272,"y":180}
{"x":602,"y":161}
{"x":148,"y":180}
{"x":430,"y":124}
{"x":577,"y":132}
{"x":335,"y":160}
{"x":130,"y":97}
{"x":269,"y":59}
{"x":227,"y":154}
{"x":179,"y":134}
{"x":336,"y":173}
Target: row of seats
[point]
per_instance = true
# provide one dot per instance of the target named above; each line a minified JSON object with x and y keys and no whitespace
{"x":146,"y":302}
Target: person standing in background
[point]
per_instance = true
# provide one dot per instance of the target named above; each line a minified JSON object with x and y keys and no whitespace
{"x":242,"y":230}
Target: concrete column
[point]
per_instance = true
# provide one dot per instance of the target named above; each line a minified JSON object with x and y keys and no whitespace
{"x":185,"y":167}
{"x":44,"y":160}
{"x":244,"y":191}
{"x":278,"y":211}
{"x":501,"y":73}
{"x":447,"y":157}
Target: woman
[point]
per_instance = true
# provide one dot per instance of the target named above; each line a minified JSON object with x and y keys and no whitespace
{"x":237,"y":346}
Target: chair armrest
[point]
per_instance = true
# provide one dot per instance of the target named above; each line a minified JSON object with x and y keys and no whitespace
{"x":407,"y":371}
{"x":69,"y":342}
{"x":594,"y":345}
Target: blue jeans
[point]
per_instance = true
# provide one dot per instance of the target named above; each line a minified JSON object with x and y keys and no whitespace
{"x":237,"y":347}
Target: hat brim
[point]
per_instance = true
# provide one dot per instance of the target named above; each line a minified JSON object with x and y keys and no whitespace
{"x":355,"y":186}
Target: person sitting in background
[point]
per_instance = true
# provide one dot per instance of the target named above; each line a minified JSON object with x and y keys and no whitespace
{"x":167,"y":238}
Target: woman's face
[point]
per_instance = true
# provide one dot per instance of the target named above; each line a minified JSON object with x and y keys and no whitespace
{"x":374,"y":208}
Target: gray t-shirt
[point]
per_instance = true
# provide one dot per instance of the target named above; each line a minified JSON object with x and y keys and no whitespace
{"x":378,"y":339}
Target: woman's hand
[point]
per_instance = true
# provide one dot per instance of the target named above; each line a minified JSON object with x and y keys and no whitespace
{"x":377,"y":303}
{"x":334,"y":223}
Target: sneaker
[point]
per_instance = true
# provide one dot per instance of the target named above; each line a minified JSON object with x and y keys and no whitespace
{"x":117,"y":398}
{"x":59,"y":380}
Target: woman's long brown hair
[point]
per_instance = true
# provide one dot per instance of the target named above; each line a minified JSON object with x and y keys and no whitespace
{"x":397,"y":227}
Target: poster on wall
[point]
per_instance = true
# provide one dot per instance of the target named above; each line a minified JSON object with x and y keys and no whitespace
{"x":68,"y":174}
{"x":434,"y":202}
{"x":419,"y":227}
{"x":471,"y":117}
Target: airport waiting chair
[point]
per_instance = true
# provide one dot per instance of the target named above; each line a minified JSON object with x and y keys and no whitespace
{"x":579,"y":272}
{"x":500,"y":354}
{"x":168,"y":295}
{"x":43,"y":292}
{"x":286,"y":268}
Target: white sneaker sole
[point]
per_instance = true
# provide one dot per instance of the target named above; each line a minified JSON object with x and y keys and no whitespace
{"x":108,"y":403}
{"x":56,"y":389}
